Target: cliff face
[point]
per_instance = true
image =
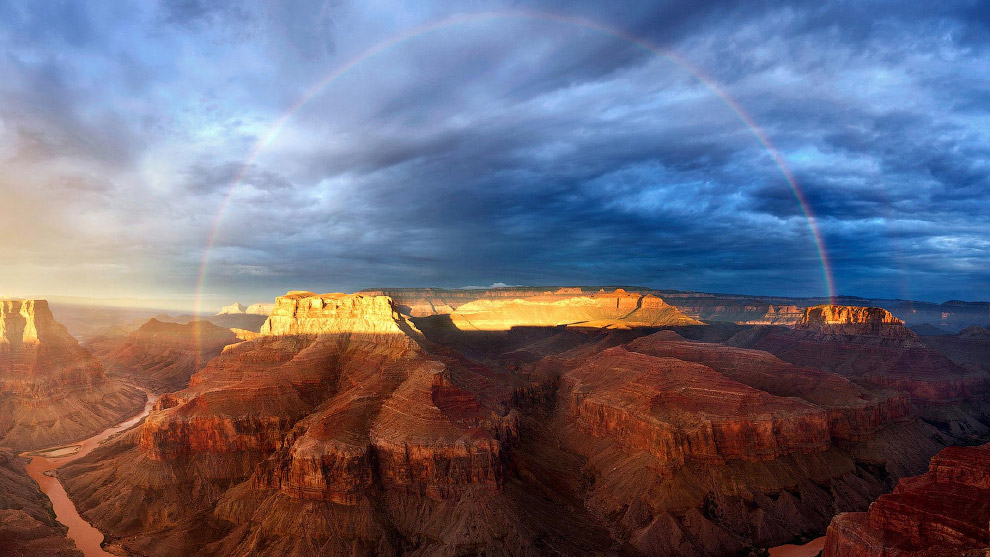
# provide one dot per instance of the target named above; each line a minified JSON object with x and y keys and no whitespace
{"x":340,"y":429}
{"x":943,"y":512}
{"x":604,"y":309}
{"x":423,"y":302}
{"x":333,"y":404}
{"x":853,"y":412}
{"x":849,"y":320}
{"x":51,"y":390}
{"x":696,"y":448}
{"x":37,"y":351}
{"x":871,"y":346}
{"x":240,"y":309}
{"x":679,"y":410}
{"x":779,"y":315}
{"x":305,"y":313}
{"x":163,"y":356}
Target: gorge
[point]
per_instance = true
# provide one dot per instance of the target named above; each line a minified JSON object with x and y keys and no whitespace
{"x":566,"y":420}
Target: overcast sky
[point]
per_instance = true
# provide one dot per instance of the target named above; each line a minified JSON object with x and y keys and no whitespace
{"x":525,"y":147}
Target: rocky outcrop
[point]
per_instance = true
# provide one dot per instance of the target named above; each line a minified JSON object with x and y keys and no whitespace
{"x":341,"y":429}
{"x":943,"y":512}
{"x":424,"y":302}
{"x":335,"y":403}
{"x":52,"y":390}
{"x":602,"y":310}
{"x":848,"y":320}
{"x":306,"y":313}
{"x":969,"y":349}
{"x":258,"y":308}
{"x":163,"y":356}
{"x":695,"y":448}
{"x":232,"y":309}
{"x":854,"y":412}
{"x":779,"y":315}
{"x":678,"y":410}
{"x":871,"y":346}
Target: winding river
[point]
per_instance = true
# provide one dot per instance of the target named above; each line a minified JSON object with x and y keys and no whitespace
{"x":42,"y":469}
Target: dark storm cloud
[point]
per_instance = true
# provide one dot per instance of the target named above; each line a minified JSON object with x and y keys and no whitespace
{"x":521,"y":150}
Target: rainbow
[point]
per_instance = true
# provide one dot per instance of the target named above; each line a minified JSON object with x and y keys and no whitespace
{"x":463,"y":19}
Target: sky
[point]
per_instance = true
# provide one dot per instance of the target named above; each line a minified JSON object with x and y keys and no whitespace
{"x":333,"y":146}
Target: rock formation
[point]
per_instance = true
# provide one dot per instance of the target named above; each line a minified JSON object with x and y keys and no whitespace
{"x":970,"y":349}
{"x":943,"y":512}
{"x":345,"y":427}
{"x":779,"y":315}
{"x":868,"y":345}
{"x":848,"y":320}
{"x":424,"y":302}
{"x":237,"y":308}
{"x":335,"y":403}
{"x":52,"y":390}
{"x":234,"y":308}
{"x":162,"y":356}
{"x":602,"y":310}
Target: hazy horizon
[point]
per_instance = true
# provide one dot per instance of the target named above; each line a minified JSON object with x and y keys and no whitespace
{"x":213,"y":303}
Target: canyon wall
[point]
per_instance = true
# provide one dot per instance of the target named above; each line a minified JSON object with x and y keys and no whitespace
{"x":343,"y":428}
{"x":52,"y":390}
{"x":162,"y":356}
{"x":945,"y":511}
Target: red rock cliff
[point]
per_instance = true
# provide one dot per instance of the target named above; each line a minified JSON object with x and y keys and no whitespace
{"x":943,"y":512}
{"x":604,"y":309}
{"x":851,"y":320}
{"x":51,"y":389}
{"x":333,"y":387}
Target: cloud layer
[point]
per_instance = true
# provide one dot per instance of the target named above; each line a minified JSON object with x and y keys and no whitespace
{"x":524,"y":147}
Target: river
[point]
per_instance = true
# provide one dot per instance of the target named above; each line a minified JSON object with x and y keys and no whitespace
{"x":86,"y":537}
{"x":809,"y":549}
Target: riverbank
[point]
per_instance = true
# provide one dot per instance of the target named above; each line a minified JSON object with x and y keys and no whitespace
{"x":42,"y":468}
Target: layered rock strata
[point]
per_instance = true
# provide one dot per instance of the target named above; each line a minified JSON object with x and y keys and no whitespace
{"x":342,"y":430}
{"x":868,"y":344}
{"x":335,"y":403}
{"x":602,"y":310}
{"x":943,"y":512}
{"x":52,"y":390}
{"x":695,"y":448}
{"x":236,"y":308}
{"x":163,"y":356}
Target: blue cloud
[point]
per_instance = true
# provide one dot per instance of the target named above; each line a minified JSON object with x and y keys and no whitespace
{"x":523,"y":150}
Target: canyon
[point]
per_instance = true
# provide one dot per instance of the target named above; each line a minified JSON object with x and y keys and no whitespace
{"x":51,"y":389}
{"x":528,"y":421}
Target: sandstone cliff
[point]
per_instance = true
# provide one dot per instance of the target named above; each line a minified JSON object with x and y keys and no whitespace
{"x":424,"y":302}
{"x":698,"y":449}
{"x":306,"y":313}
{"x":335,"y":403}
{"x":342,"y":430}
{"x":849,"y":320}
{"x":943,"y":512}
{"x":868,"y":345}
{"x":51,"y":390}
{"x":236,"y":308}
{"x":602,"y":310}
